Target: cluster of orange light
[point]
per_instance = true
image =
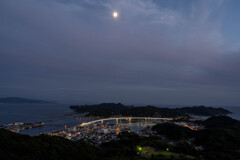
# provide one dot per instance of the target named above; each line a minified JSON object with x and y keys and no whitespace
{"x":185,"y":125}
{"x":118,"y":131}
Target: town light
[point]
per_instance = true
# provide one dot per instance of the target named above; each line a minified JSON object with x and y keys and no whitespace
{"x":139,"y":148}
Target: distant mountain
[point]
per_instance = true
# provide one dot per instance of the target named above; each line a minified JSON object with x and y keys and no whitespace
{"x":22,"y":100}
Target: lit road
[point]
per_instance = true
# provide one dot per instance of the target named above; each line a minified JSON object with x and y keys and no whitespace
{"x":128,"y":119}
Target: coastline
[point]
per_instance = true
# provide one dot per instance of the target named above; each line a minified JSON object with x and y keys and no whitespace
{"x":55,"y":116}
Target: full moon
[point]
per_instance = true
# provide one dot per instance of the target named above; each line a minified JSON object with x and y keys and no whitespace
{"x":115,"y":14}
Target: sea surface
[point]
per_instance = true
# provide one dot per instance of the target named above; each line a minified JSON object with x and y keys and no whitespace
{"x":55,"y":116}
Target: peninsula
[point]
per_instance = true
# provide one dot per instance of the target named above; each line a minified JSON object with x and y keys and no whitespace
{"x":113,"y":109}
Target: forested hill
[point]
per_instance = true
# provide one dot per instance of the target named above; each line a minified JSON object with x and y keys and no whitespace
{"x":220,"y":122}
{"x":90,"y":108}
{"x":151,"y":111}
{"x":203,"y":110}
{"x":22,"y":147}
{"x":111,"y":109}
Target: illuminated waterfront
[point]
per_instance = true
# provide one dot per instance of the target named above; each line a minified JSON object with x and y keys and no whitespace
{"x":98,"y":132}
{"x":56,"y":116}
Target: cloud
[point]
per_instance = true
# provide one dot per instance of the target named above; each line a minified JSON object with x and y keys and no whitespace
{"x":56,"y":47}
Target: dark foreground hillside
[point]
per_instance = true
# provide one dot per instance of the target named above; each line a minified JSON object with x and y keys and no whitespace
{"x":21,"y":147}
{"x":219,"y":141}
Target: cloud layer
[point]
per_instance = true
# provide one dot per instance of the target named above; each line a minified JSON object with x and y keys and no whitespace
{"x":155,"y":52}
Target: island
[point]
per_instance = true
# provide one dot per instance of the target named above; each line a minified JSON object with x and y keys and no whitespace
{"x":112,"y":109}
{"x":203,"y":111}
{"x":18,"y":100}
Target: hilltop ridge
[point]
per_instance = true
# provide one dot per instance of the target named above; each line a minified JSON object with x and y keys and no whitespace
{"x":111,"y":109}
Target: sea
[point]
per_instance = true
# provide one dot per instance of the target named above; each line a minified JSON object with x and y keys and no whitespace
{"x":55,"y":116}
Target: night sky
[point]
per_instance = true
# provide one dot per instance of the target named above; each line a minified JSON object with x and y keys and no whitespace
{"x":155,"y":52}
